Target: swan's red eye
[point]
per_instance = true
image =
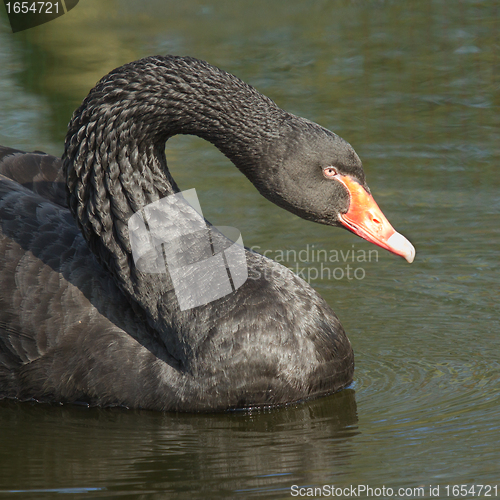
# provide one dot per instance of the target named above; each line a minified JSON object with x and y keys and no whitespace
{"x":329,"y":172}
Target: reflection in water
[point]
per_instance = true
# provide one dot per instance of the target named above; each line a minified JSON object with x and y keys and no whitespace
{"x":119,"y":449}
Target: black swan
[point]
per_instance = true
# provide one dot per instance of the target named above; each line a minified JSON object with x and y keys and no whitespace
{"x":79,"y":322}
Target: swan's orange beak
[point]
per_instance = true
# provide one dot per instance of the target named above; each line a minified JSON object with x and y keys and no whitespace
{"x":365,"y":219}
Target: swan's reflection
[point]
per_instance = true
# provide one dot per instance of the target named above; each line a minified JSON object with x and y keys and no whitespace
{"x":180,"y":454}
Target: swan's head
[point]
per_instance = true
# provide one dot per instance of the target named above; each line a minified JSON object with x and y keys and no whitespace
{"x":320,"y":178}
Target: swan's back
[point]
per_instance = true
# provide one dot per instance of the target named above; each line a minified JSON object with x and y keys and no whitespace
{"x":50,"y":330}
{"x":37,"y":171}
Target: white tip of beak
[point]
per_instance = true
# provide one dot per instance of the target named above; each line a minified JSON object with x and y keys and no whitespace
{"x":401,"y":246}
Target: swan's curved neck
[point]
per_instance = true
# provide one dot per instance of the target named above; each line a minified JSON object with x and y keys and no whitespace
{"x":114,"y":157}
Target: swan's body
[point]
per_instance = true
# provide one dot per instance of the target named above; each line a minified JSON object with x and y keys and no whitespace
{"x":79,"y":322}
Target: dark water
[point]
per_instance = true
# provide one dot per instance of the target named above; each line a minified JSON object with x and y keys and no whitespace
{"x":415,"y":88}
